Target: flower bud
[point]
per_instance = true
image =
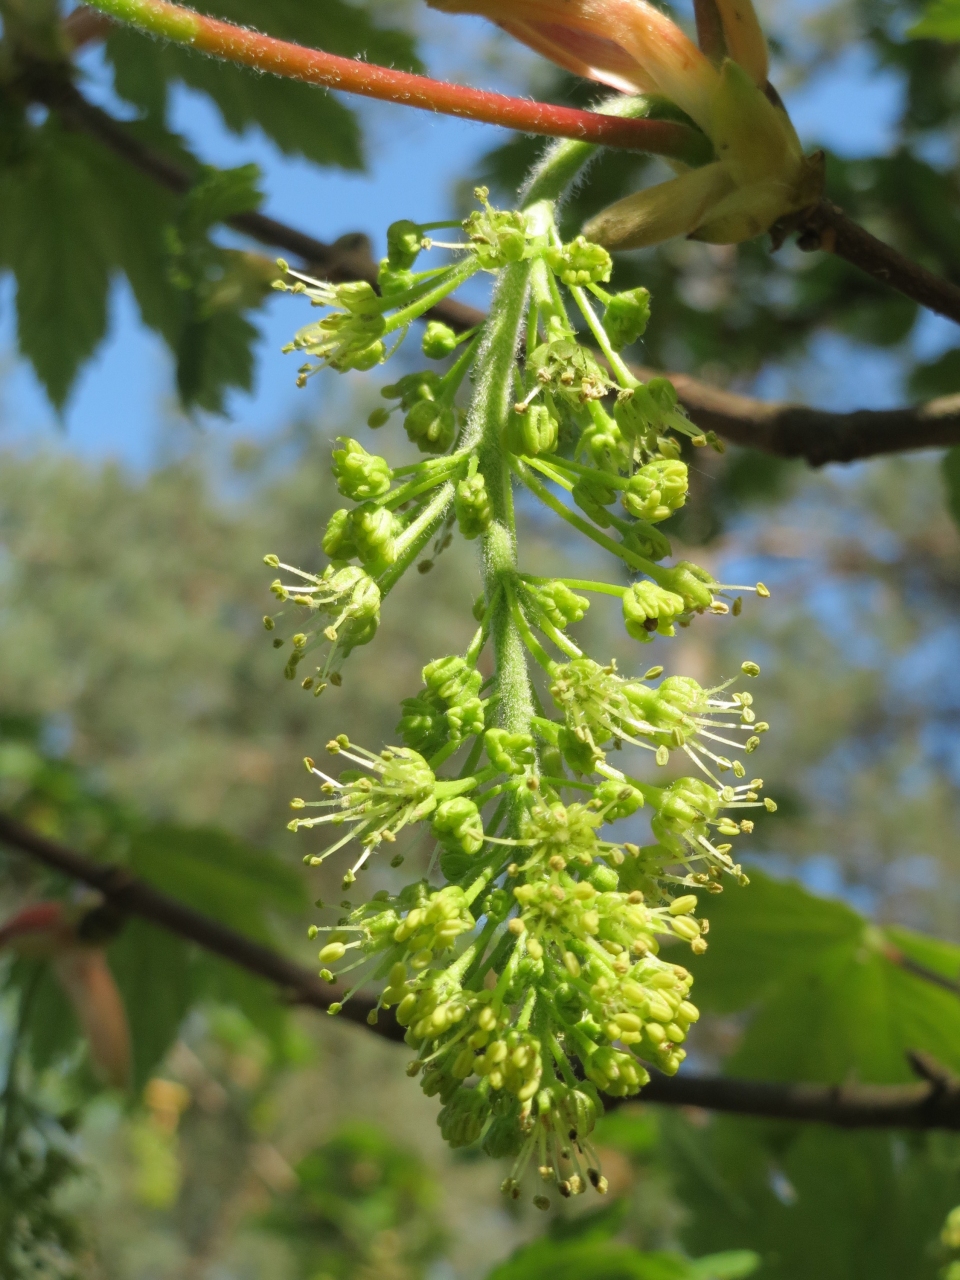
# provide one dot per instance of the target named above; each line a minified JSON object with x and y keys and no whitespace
{"x":332,"y":952}
{"x":509,"y":752}
{"x":439,"y":341}
{"x":431,"y":426}
{"x":457,"y":823}
{"x":626,"y":317}
{"x":531,"y":432}
{"x":618,"y":799}
{"x":693,"y":584}
{"x":558,"y":603}
{"x":471,"y":504}
{"x":360,"y":475}
{"x":404,"y":241}
{"x":646,"y":540}
{"x":412,"y":388}
{"x":338,"y":541}
{"x":374,"y":531}
{"x":592,"y":493}
{"x":656,"y":491}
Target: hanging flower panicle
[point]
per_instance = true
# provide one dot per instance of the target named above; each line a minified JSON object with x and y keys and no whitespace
{"x":534,"y":968}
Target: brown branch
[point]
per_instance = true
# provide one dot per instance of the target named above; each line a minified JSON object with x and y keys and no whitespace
{"x":827,"y":227}
{"x":783,"y":430}
{"x":817,"y":435}
{"x":934,"y":1104}
{"x":929,"y":1105}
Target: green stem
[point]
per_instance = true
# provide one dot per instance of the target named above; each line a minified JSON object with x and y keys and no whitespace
{"x":545,"y":496}
{"x":578,"y":584}
{"x":624,"y":376}
{"x":415,"y":537}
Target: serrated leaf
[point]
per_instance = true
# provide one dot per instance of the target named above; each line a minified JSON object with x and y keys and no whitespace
{"x":218,"y":195}
{"x":300,"y":119}
{"x":73,"y":214}
{"x":826,"y":999}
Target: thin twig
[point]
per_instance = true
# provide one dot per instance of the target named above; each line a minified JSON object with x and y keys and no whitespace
{"x":932,"y":1105}
{"x":827,"y":227}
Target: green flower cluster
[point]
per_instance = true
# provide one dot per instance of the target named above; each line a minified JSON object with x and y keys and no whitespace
{"x":534,"y":968}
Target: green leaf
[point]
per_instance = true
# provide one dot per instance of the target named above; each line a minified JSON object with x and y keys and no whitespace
{"x":813,"y":1201}
{"x":153,"y":971}
{"x":826,"y":999}
{"x":73,"y":215}
{"x":218,"y":874}
{"x":300,"y":119}
{"x":950,"y":469}
{"x":589,"y":1260}
{"x":940,"y":22}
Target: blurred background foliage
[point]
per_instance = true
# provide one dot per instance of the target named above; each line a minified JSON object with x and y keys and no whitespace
{"x":143,"y":718}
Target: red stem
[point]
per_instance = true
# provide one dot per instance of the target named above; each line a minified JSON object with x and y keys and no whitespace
{"x":314,"y":66}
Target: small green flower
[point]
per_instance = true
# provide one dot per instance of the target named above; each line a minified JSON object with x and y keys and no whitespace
{"x":345,"y":604}
{"x":647,"y":608}
{"x":378,"y":799}
{"x":497,"y":238}
{"x":580,"y":262}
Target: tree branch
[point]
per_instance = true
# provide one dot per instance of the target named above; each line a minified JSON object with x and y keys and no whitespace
{"x":817,"y":435}
{"x":934,"y":1104}
{"x":781,"y":429}
{"x":827,"y":227}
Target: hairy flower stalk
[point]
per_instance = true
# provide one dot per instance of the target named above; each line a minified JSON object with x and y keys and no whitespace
{"x":535,"y":966}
